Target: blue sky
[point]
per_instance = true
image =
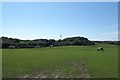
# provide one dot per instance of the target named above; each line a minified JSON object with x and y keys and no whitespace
{"x":35,"y":20}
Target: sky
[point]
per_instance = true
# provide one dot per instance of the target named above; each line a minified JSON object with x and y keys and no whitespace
{"x":60,"y":0}
{"x":36,"y":20}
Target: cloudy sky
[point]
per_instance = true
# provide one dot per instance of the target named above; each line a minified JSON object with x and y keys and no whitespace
{"x":34,"y":20}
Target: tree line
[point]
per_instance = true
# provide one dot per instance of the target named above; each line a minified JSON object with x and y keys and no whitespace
{"x":108,"y":42}
{"x":18,"y":43}
{"x":5,"y":42}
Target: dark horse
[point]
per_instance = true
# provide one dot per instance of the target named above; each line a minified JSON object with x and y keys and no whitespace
{"x":100,"y":48}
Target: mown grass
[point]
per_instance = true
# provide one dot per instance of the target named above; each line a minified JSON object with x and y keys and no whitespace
{"x":59,"y":59}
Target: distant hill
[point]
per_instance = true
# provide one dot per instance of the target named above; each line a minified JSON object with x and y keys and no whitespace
{"x":80,"y":41}
{"x":107,"y":42}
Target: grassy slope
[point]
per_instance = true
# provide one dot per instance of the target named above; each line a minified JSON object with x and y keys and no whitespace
{"x":99,"y":64}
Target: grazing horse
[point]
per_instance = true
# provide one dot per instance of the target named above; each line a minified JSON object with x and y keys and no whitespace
{"x":36,"y":46}
{"x":100,"y":48}
{"x":51,"y":46}
{"x":12,"y":47}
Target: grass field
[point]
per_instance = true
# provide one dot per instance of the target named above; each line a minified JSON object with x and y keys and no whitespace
{"x":64,"y":61}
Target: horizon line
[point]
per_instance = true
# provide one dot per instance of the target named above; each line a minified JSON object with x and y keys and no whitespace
{"x":57,"y":39}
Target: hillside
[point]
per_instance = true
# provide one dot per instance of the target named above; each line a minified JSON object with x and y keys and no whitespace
{"x":18,"y":43}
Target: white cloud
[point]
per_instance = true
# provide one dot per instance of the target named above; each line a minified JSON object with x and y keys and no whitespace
{"x":116,"y":33}
{"x":111,"y":35}
{"x":111,"y":26}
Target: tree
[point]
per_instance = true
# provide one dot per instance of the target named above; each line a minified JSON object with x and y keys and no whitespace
{"x":76,"y":41}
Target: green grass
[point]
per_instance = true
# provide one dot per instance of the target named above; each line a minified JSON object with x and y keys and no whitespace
{"x":59,"y":59}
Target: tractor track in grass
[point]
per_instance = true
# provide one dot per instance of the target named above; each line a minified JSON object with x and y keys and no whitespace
{"x":83,"y":73}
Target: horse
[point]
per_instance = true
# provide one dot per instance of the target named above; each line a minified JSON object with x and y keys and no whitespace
{"x":37,"y":46}
{"x":100,"y":48}
{"x":51,"y":46}
{"x":12,"y":47}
